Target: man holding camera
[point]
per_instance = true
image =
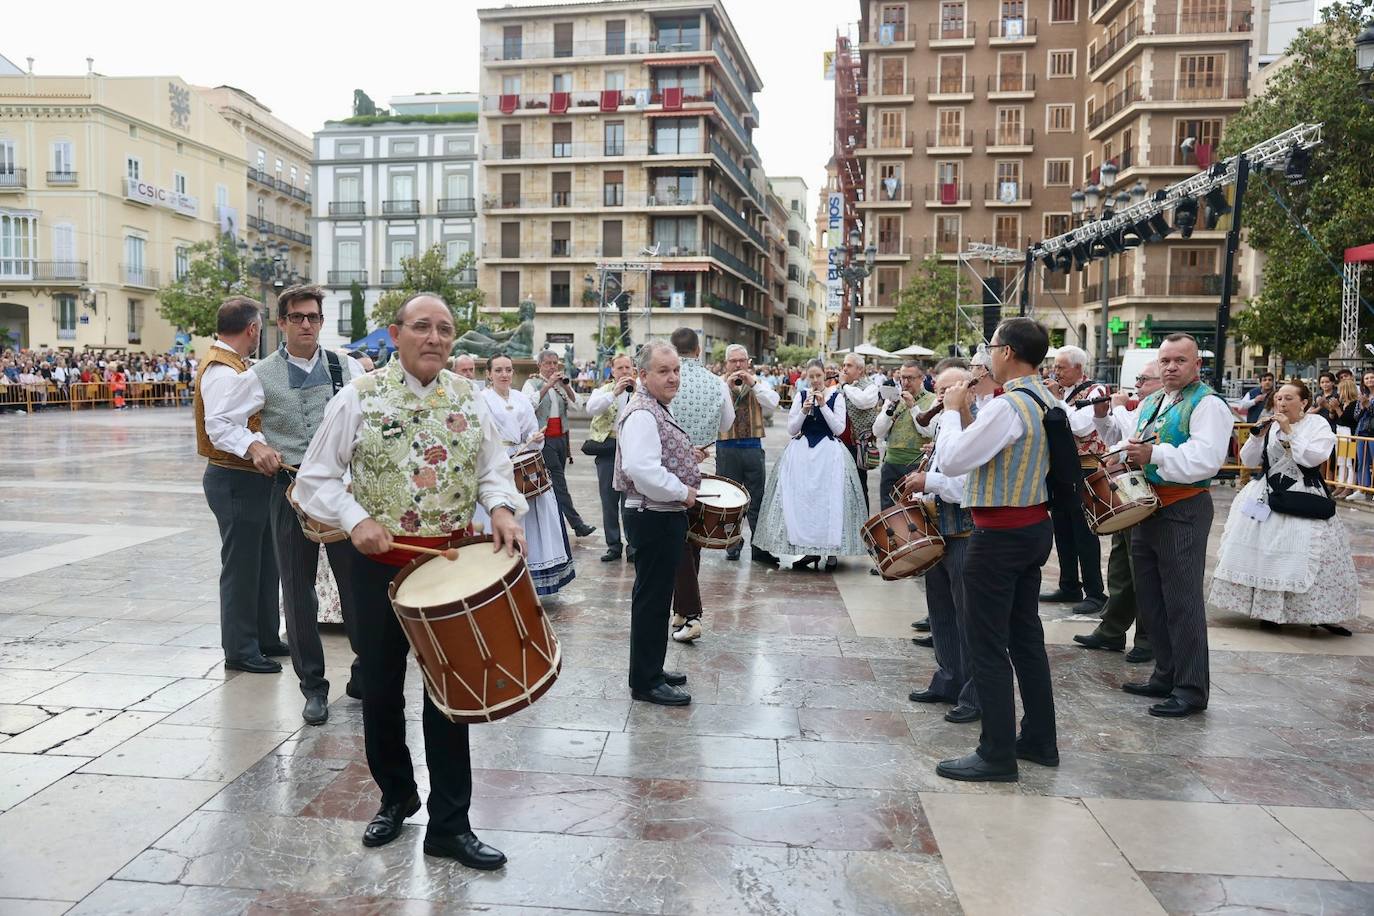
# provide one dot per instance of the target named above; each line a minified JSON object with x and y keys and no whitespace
{"x":739,"y":450}
{"x":553,"y":397}
{"x":605,"y":405}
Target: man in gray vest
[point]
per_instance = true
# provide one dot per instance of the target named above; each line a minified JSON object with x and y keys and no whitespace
{"x":861,"y":401}
{"x":553,"y":399}
{"x":291,"y":388}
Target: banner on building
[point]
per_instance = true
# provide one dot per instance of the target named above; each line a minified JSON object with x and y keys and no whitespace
{"x":151,"y":194}
{"x":835,"y":241}
{"x":828,"y":65}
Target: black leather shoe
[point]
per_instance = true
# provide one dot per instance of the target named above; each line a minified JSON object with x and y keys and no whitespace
{"x":611,"y":555}
{"x":759,"y":555}
{"x":809,"y":560}
{"x":1093,"y":641}
{"x":928,"y":696}
{"x":386,"y":825}
{"x":926,"y":641}
{"x":583,"y":530}
{"x":732,"y":554}
{"x":1090,"y":605}
{"x":260,"y":665}
{"x":962,"y":715}
{"x":316,"y":710}
{"x":1146,"y":689}
{"x":922,"y":625}
{"x":1138,"y":655}
{"x":975,"y":769}
{"x":1046,"y":758}
{"x":1062,"y":595}
{"x":353,"y":690}
{"x":465,"y":848}
{"x":1174,"y":708}
{"x":630,"y":554}
{"x":676,"y":678}
{"x":280,"y":650}
{"x":664,"y":694}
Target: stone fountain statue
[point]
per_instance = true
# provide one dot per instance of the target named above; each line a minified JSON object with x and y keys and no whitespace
{"x":518,"y":343}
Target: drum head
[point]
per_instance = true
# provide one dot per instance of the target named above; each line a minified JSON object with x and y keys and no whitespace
{"x":1124,"y":518}
{"x":438,"y":581}
{"x":915,"y":559}
{"x":724,"y":494}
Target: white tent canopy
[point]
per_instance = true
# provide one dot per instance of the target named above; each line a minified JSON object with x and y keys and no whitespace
{"x":867,"y":349}
{"x":913,"y":350}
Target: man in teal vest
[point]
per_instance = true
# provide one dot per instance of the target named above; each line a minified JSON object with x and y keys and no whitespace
{"x":291,"y":388}
{"x":1005,"y":454}
{"x":1182,"y":438}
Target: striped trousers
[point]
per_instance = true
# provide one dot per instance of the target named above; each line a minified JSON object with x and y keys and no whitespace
{"x":1169,"y":555}
{"x":953,"y":676}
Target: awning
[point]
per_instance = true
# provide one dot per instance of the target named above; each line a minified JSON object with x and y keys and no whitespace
{"x":678,"y":61}
{"x":682,"y":267}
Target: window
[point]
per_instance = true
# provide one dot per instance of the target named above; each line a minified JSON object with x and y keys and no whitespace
{"x":889,"y":286}
{"x":182,"y":262}
{"x":349,"y":189}
{"x":1008,"y":172}
{"x":952,"y":18}
{"x":262,"y":159}
{"x":947,"y":234}
{"x":135,"y":321}
{"x":1199,"y":76}
{"x":62,"y":157}
{"x":1010,"y":126}
{"x":510,"y":141}
{"x":675,"y":187}
{"x":1011,"y":71}
{"x":510,"y":289}
{"x":133,"y":168}
{"x":134,"y":248}
{"x":64,"y":251}
{"x":613,"y":189}
{"x":1007,"y":230}
{"x":679,"y":33}
{"x":614,"y":134}
{"x":7,"y":160}
{"x":891,"y":128}
{"x":562,"y":82}
{"x":1063,"y":10}
{"x":398,"y":148}
{"x":951,"y":121}
{"x":510,"y":84}
{"x":345,"y":150}
{"x":560,"y":288}
{"x":562,"y":39}
{"x":403,"y":186}
{"x":1057,"y":224}
{"x":458,"y":188}
{"x":1206,"y":133}
{"x":561,"y":186}
{"x":510,"y":240}
{"x":400,"y":250}
{"x":688,"y":79}
{"x":221,"y":197}
{"x":278,"y":164}
{"x":951,"y":73}
{"x":615,"y":79}
{"x":894,"y":17}
{"x":1088,"y":167}
{"x":18,"y":244}
{"x":1059,"y":118}
{"x":66,"y":315}
{"x":675,"y":235}
{"x":348,"y":255}
{"x":560,"y":234}
{"x":1058,"y":172}
{"x":677,"y":135}
{"x":455,"y":249}
{"x":946,"y":174}
{"x":1062,"y":64}
{"x":512,"y":42}
{"x":293,"y":176}
{"x":562,"y":140}
{"x":890,"y":180}
{"x":179,"y":182}
{"x":892,"y":75}
{"x":615,"y":36}
{"x":612,"y":235}
{"x":666,"y":284}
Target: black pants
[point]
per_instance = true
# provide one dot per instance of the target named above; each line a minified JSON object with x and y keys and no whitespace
{"x":888,"y":475}
{"x":1002,"y":587}
{"x":556,"y":460}
{"x":298,"y":560}
{"x":687,"y":583}
{"x":746,"y":467}
{"x":948,"y":608}
{"x":1080,"y":552}
{"x":1120,"y":611}
{"x":660,"y":539}
{"x":863,"y":473}
{"x":384,"y":654}
{"x":612,"y":500}
{"x":1169,"y":550}
{"x":249,"y":613}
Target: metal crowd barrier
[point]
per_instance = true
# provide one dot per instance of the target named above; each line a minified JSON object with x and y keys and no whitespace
{"x":93,"y":394}
{"x":1330,"y":470}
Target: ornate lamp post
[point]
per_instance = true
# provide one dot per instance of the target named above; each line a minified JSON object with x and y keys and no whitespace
{"x":271,"y":268}
{"x":854,"y":274}
{"x":1085,"y":205}
{"x":1364,"y":61}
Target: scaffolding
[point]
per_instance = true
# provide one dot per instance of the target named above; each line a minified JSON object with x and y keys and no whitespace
{"x":849,"y":136}
{"x":1355,"y":260}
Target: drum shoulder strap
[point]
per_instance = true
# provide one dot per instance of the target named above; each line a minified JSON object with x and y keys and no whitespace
{"x":335,"y":369}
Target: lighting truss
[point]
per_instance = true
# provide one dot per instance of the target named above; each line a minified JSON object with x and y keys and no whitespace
{"x":996,"y":253}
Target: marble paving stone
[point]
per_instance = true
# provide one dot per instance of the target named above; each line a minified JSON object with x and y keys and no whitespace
{"x":278,"y":784}
{"x":853,"y":725}
{"x":1343,"y":838}
{"x":15,"y":718}
{"x":163,"y":661}
{"x":39,"y":626}
{"x":78,"y":831}
{"x":1274,"y":781}
{"x":21,"y":775}
{"x":1227,"y":895}
{"x":178,"y":694}
{"x":202,"y":635}
{"x":1047,"y":854}
{"x":707,"y":719}
{"x":138,"y":898}
{"x":1083,"y":774}
{"x":1334,"y":743}
{"x":261,"y":702}
{"x":1187,"y":738}
{"x":353,"y":795}
{"x":1206,"y":839}
{"x":42,"y":653}
{"x":354,"y":905}
{"x":704,"y":757}
{"x":598,"y":715}
{"x":82,"y":732}
{"x":609,"y":684}
{"x":11,"y":906}
{"x":746,"y":690}
{"x":508,"y":747}
{"x":144,"y":632}
{"x":18,"y":685}
{"x":110,"y":691}
{"x":187,"y":752}
{"x":870,"y":766}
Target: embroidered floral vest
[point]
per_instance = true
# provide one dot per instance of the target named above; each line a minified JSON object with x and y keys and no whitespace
{"x":677,"y":447}
{"x":748,"y":416}
{"x":603,"y":424}
{"x":415,"y":466}
{"x":904,"y":443}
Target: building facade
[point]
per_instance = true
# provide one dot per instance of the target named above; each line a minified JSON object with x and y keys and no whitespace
{"x":105,"y":184}
{"x":388,"y":188}
{"x":621,"y":132}
{"x":800,"y":327}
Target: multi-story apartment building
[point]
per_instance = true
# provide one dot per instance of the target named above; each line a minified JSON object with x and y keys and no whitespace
{"x":825,"y":321}
{"x":387,"y":188}
{"x":983,"y":117}
{"x":775,"y":268}
{"x":800,"y":329}
{"x":622,"y":131}
{"x":105,"y":184}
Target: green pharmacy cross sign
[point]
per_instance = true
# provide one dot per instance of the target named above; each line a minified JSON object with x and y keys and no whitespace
{"x":1116,"y":326}
{"x":1146,"y":337}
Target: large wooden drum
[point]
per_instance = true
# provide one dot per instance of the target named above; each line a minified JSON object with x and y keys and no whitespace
{"x":717,"y":519}
{"x":484,"y":645}
{"x":904,"y":540}
{"x":1115,"y":499}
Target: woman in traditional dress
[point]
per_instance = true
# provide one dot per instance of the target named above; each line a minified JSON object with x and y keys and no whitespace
{"x":550,"y":557}
{"x":1286,"y":569}
{"x":813,"y":504}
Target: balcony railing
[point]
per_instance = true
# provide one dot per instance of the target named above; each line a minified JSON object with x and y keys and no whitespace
{"x":1197,"y":90}
{"x":346,"y":277}
{"x":561,"y":150}
{"x":65,"y":179}
{"x":1005,"y":136}
{"x":400,"y":208}
{"x":949,"y":85}
{"x":736,"y":220}
{"x":13,"y":270}
{"x":347,"y":208}
{"x":449,"y":205}
{"x":953,"y":31}
{"x":898,"y":31}
{"x":881,"y":192}
{"x":941,"y":244}
{"x":1208,"y":284}
{"x":740,"y":85}
{"x":11,"y":177}
{"x":137,"y":275}
{"x":1116,"y":287}
{"x":905,"y":140}
{"x":583,"y":101}
{"x":735,"y":170}
{"x":1116,"y":104}
{"x":891,"y":244}
{"x":1168,"y":23}
{"x":1006,"y":192}
{"x":736,"y":263}
{"x":949,"y":139}
{"x":729,"y":118}
{"x":260,"y":177}
{"x":949,"y":193}
{"x":393,"y":277}
{"x":269,"y":227}
{"x":722,"y":304}
{"x":1118,"y":41}
{"x":562,"y":199}
{"x":887,"y":86}
{"x":1010,"y":29}
{"x":548,"y":50}
{"x":1011,"y":82}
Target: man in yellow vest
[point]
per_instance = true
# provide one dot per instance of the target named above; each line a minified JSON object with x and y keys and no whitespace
{"x":604,"y":406}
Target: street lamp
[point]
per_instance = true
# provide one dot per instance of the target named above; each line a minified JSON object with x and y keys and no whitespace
{"x":1364,"y":61}
{"x":269,"y":265}
{"x":854,"y":274}
{"x":1085,"y":206}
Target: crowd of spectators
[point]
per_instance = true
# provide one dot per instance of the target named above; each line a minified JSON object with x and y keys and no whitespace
{"x":50,"y":375}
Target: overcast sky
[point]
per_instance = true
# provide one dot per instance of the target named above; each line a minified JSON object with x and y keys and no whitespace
{"x":303,"y":60}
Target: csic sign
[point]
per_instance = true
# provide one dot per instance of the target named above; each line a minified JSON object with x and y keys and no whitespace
{"x":144,"y":193}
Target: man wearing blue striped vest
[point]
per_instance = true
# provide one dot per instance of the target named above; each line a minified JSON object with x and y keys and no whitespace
{"x":1181,"y":441}
{"x":1005,"y":454}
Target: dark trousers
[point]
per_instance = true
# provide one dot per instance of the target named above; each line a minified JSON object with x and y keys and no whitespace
{"x":1002,"y":587}
{"x":949,"y":625}
{"x":1120,"y":610}
{"x":249,"y":613}
{"x":384,"y":654}
{"x":687,"y":585}
{"x":612,"y":500}
{"x":659,"y":539}
{"x":298,"y":560}
{"x":745,"y":466}
{"x":556,"y":460}
{"x":888,"y":475}
{"x":1080,"y":553}
{"x":1169,"y":550}
{"x":863,"y":474}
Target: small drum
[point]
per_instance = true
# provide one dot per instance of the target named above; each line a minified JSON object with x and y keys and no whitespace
{"x":717,"y":519}
{"x":902,"y":490}
{"x":484,"y":645}
{"x":531,"y":474}
{"x":1115,"y":500}
{"x":313,"y":530}
{"x":904,"y":540}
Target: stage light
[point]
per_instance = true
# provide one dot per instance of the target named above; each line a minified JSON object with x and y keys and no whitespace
{"x":1081,"y":255}
{"x":1185,"y":216}
{"x":1048,"y":260}
{"x":1064,"y":261}
{"x":1159,"y":228}
{"x":1298,"y":162}
{"x":1217,"y":207}
{"x":1135,"y":235}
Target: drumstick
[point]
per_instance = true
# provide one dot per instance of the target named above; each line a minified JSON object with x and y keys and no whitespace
{"x":1102,"y":459}
{"x":449,"y":554}
{"x":291,"y":468}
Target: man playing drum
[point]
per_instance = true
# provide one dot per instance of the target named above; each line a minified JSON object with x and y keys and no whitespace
{"x":422,"y":458}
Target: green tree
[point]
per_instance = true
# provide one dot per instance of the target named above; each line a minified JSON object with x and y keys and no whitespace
{"x":925,"y":310}
{"x":794,"y":355}
{"x":431,"y":273}
{"x":1297,"y":309}
{"x":718,"y":352}
{"x":214,"y":274}
{"x":357,"y":321}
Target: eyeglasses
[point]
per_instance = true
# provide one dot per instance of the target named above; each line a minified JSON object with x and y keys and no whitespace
{"x":1147,"y":378}
{"x":989,"y":347}
{"x":424,"y":328}
{"x":303,"y":317}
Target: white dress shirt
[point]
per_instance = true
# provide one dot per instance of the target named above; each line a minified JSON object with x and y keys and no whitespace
{"x":641,"y":458}
{"x":244,"y":396}
{"x":961,"y":450}
{"x":768,"y":399}
{"x":949,"y":487}
{"x":557,"y":398}
{"x":1118,"y":425}
{"x":861,"y":398}
{"x":1081,"y":418}
{"x":321,"y":490}
{"x":1310,"y":443}
{"x":598,"y":402}
{"x":1209,"y":438}
{"x":834,"y":417}
{"x":227,"y":429}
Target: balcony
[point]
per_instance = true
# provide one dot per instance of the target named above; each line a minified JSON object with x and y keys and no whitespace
{"x":737,"y":264}
{"x":548,"y":50}
{"x":400,"y":208}
{"x":493,"y":153}
{"x":1116,"y":288}
{"x":896,"y":142}
{"x":887,"y":88}
{"x":1198,"y":90}
{"x":949,"y":194}
{"x":949,"y":142}
{"x":1012,"y":31}
{"x":942,"y":245}
{"x":952,"y":34}
{"x":562,"y":200}
{"x":353,"y":208}
{"x":346,"y":277}
{"x":949,"y":89}
{"x":890,"y":34}
{"x":1167,"y":26}
{"x":62,"y":179}
{"x":138,"y":276}
{"x":729,"y":118}
{"x":13,"y":179}
{"x":890,"y":192}
{"x":1011,"y":86}
{"x":736,"y":79}
{"x":734,"y":169}
{"x":891,"y":246}
{"x":261,"y":177}
{"x":1115,"y":105}
{"x":391,"y":278}
{"x":1007,"y":194}
{"x":592,"y":101}
{"x":55,"y":273}
{"x":722,"y":304}
{"x":1009,"y":139}
{"x":738,"y":221}
{"x":1106,"y":52}
{"x":1189,"y":285}
{"x":270,"y":228}
{"x":449,"y":206}
{"x":1102,"y":10}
